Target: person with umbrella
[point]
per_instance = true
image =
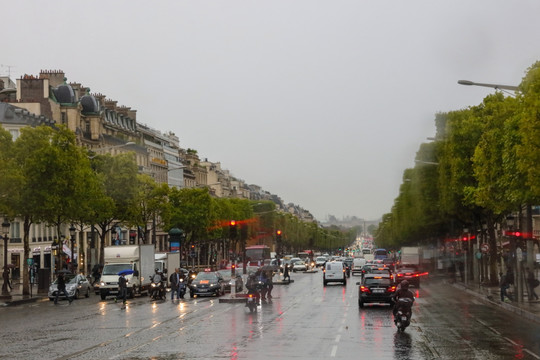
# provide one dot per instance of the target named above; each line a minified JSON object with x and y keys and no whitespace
{"x":61,"y":287}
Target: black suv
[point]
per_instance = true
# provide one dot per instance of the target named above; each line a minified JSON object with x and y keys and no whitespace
{"x":376,"y":288}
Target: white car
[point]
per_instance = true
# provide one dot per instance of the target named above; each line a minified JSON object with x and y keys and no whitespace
{"x":299,"y":266}
{"x":320,"y":260}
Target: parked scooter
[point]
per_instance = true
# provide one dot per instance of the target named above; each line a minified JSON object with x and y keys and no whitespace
{"x":402,"y":319}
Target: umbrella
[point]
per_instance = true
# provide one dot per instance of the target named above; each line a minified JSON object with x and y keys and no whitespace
{"x":64,"y":272}
{"x":126,"y":272}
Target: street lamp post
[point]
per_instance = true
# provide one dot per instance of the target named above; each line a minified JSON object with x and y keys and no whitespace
{"x":72,"y":239}
{"x":5,"y":231}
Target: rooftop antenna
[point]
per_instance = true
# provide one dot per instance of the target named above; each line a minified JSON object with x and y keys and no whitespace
{"x":9,"y":69}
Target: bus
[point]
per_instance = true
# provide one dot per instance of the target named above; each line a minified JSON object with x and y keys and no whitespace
{"x":257,"y":255}
{"x":380,"y":254}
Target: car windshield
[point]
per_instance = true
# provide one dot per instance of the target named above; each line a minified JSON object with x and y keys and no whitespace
{"x":114,"y":269}
{"x":321,"y":258}
{"x":206,"y":276}
{"x":68,"y":279}
{"x":299,"y":263}
{"x":372,"y":281}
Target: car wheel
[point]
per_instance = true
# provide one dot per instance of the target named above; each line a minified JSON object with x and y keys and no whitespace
{"x":76,"y":295}
{"x":103,"y":297}
{"x":344,"y":282}
{"x":360,"y":303}
{"x":51,"y":299}
{"x":418,"y":285}
{"x":191,"y":295}
{"x":324,"y":282}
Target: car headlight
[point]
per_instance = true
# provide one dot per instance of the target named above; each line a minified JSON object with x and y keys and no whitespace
{"x":101,"y":283}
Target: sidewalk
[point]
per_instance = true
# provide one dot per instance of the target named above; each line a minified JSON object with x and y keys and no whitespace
{"x":492,"y":295}
{"x":17,"y":298}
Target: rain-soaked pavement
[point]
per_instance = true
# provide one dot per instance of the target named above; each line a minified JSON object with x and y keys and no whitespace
{"x":304,"y":321}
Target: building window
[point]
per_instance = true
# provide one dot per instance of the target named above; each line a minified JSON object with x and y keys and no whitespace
{"x":64,"y":118}
{"x":87,"y":123}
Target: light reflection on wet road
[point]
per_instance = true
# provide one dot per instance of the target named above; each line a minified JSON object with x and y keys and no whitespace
{"x":304,"y":321}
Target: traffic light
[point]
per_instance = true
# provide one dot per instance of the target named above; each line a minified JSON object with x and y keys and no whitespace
{"x":233,"y":269}
{"x":233,"y":231}
{"x":278,"y":234}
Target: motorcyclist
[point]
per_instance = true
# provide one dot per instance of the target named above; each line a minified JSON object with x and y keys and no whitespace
{"x":252,"y":285}
{"x":402,"y":292}
{"x":159,"y":277}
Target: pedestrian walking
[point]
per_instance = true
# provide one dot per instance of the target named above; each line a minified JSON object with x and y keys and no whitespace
{"x":504,"y":285}
{"x":533,"y":282}
{"x":286,"y":273}
{"x":270,"y":284}
{"x":174,"y":279}
{"x":122,"y":290}
{"x":61,"y":288}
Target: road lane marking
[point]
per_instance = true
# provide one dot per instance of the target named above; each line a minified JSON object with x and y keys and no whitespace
{"x":489,"y":327}
{"x":510,"y":341}
{"x":531,"y":353}
{"x":334,"y":350}
{"x":338,"y":338}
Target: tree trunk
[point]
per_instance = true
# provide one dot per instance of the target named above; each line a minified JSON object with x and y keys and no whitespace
{"x":493,"y":276}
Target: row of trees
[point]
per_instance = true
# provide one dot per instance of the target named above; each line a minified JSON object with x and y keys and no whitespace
{"x":46,"y":178}
{"x":482,"y":167}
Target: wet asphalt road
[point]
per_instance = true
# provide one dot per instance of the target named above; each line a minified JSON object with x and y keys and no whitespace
{"x":304,"y":321}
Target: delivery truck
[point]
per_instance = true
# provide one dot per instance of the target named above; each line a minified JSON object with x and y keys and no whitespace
{"x":138,"y":263}
{"x":167,"y":262}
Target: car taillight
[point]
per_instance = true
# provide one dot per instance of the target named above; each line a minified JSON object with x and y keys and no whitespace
{"x":391,"y":288}
{"x":399,"y":275}
{"x":250,"y":295}
{"x":364,"y":289}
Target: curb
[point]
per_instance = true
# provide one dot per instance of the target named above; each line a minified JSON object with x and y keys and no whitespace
{"x":24,"y":301}
{"x":509,"y":307}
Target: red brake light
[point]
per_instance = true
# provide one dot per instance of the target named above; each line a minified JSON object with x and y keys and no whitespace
{"x":250,"y":295}
{"x":391,"y":289}
{"x":364,"y":289}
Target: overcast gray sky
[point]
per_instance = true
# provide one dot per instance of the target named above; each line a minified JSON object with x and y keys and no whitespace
{"x":323,"y":103}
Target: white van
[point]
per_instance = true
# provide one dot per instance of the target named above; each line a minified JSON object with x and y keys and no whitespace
{"x":334,"y":271}
{"x":358,"y":263}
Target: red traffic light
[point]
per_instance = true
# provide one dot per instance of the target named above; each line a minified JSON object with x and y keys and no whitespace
{"x":278,"y":232}
{"x":232,"y":223}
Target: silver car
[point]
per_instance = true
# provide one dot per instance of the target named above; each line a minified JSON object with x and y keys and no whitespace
{"x":76,"y":286}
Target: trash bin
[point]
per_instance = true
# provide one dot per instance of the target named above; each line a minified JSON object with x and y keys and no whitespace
{"x":44,"y":280}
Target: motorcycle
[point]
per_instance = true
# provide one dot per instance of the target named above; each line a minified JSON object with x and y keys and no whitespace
{"x":402,"y":318}
{"x":157,"y":289}
{"x":252,"y":302}
{"x":182,"y":288}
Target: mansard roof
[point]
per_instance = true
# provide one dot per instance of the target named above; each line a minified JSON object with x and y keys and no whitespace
{"x":13,"y":115}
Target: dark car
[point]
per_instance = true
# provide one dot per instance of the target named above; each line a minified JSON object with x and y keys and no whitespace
{"x":227,"y":276}
{"x":366,"y":269}
{"x":376,"y":288}
{"x":207,"y":283}
{"x":410,"y":274}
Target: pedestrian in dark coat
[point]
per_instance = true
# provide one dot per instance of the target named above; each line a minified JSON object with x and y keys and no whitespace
{"x":122,"y":288}
{"x":504,"y":284}
{"x":532,"y":282}
{"x":174,"y":279}
{"x":61,"y":288}
{"x":286,"y":273}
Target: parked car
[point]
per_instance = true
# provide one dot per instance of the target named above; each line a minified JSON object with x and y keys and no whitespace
{"x":76,"y":286}
{"x":227,"y":276}
{"x":376,"y":288}
{"x":334,"y":271}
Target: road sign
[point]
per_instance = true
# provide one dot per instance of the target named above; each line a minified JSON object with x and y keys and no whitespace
{"x":485,"y":248}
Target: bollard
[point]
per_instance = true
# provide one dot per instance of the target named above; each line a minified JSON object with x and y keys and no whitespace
{"x":233,"y":287}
